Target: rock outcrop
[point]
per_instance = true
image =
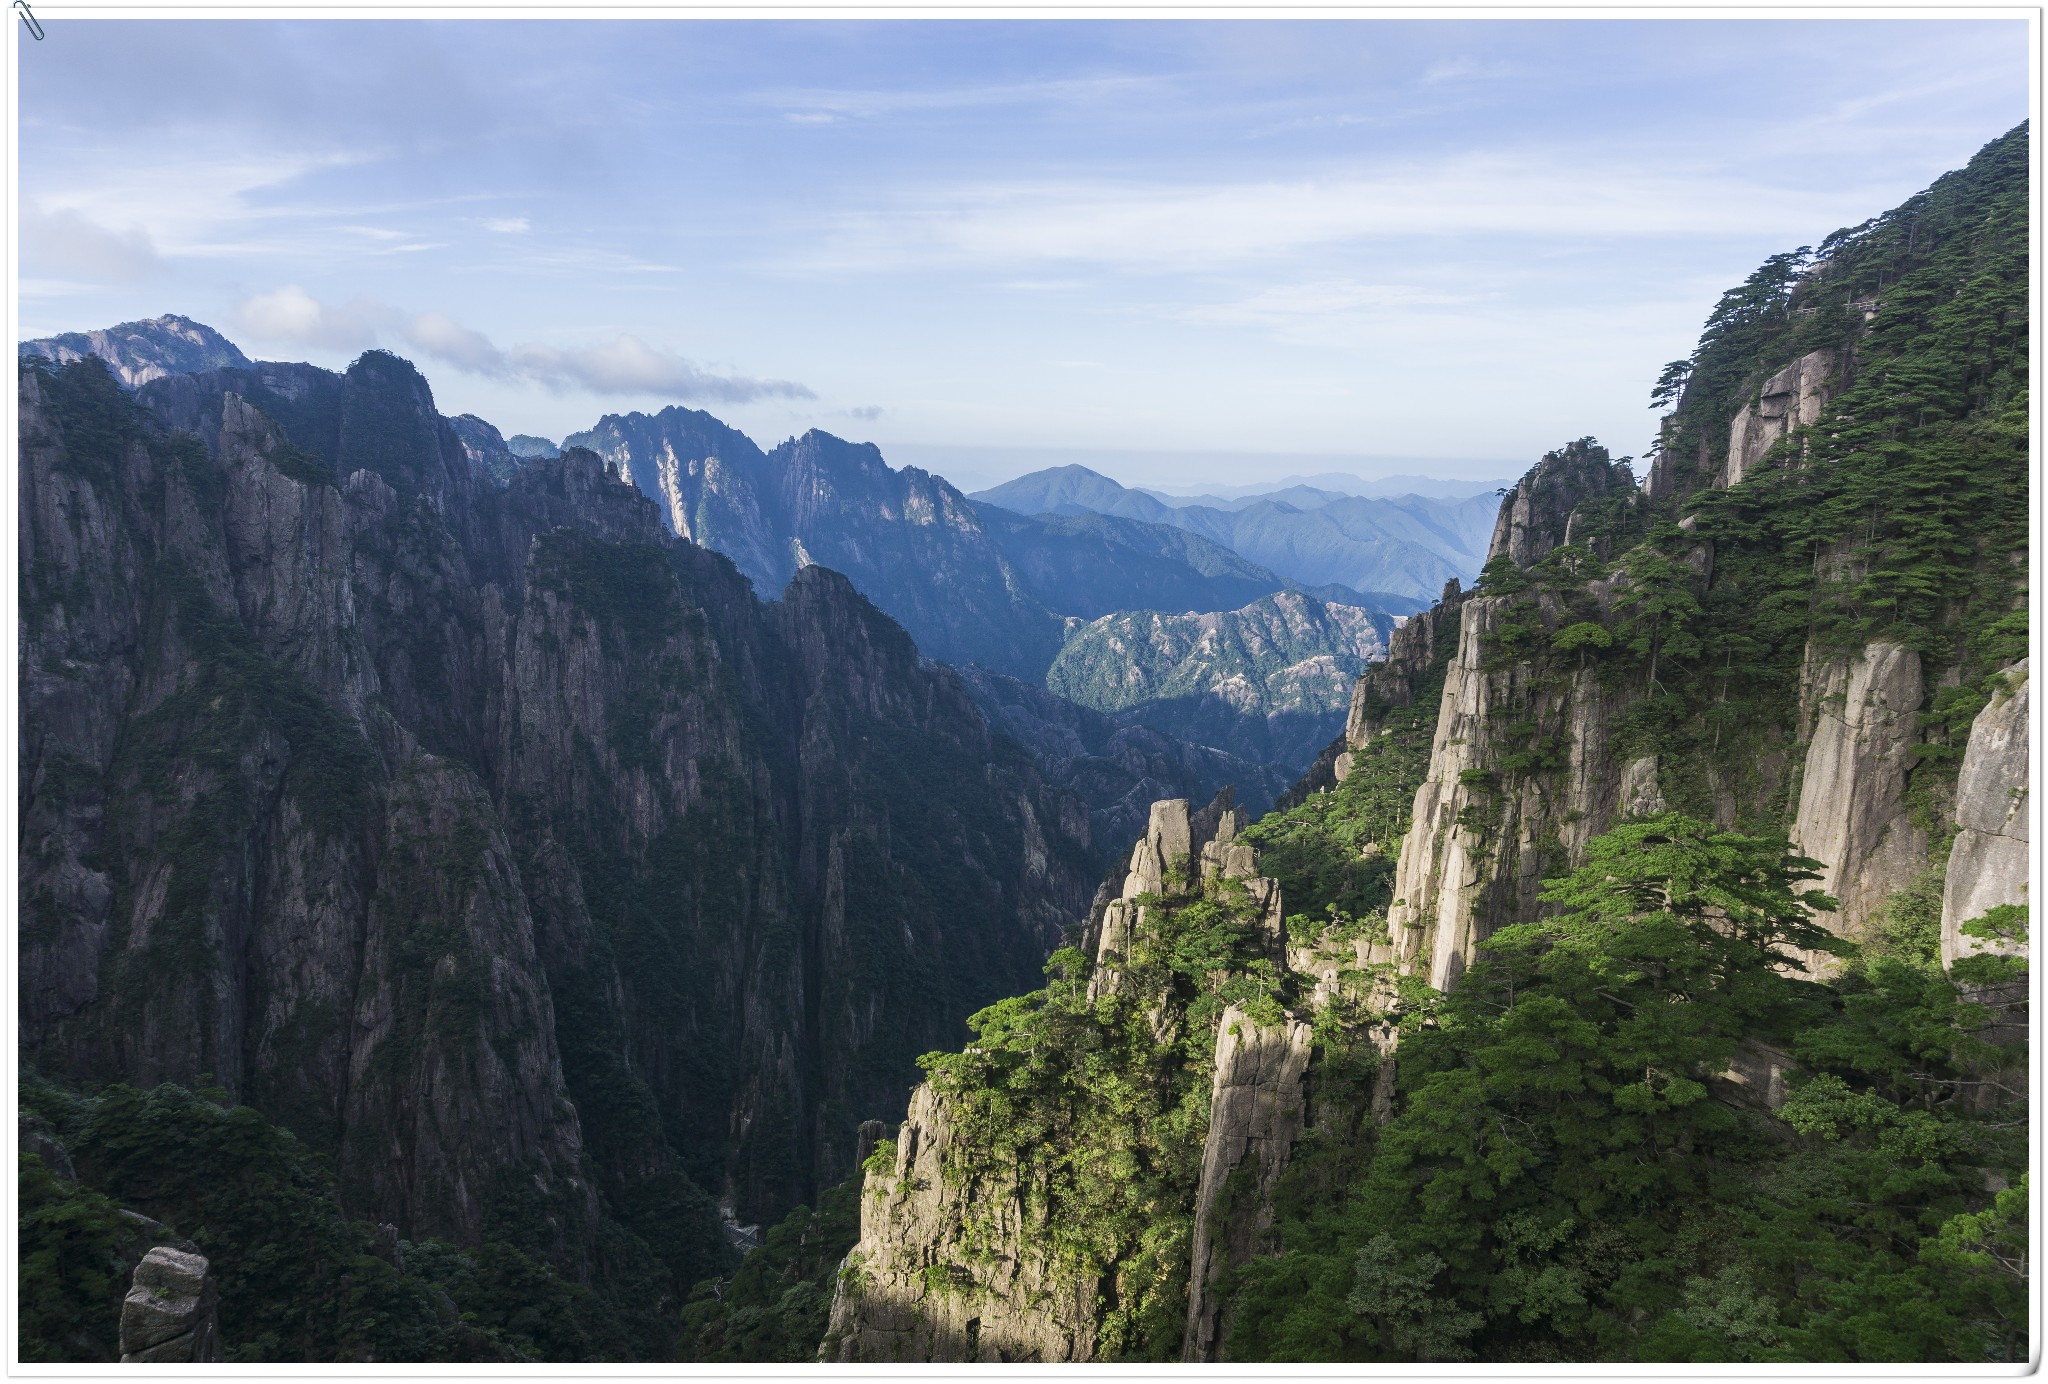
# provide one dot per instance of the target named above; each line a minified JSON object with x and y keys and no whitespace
{"x":172,"y":1313}
{"x":954,"y":1264}
{"x":1793,"y":398}
{"x":1862,"y":718}
{"x":1989,"y":864}
{"x":1538,"y":515}
{"x":1255,"y":1117}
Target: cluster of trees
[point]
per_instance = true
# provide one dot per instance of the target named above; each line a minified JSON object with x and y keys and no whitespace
{"x":298,"y":1280}
{"x":1559,"y":1180}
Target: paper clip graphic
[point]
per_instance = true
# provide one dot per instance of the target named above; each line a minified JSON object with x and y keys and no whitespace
{"x":28,"y":17}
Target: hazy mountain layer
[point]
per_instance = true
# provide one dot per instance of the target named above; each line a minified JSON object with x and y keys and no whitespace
{"x":1408,"y":545}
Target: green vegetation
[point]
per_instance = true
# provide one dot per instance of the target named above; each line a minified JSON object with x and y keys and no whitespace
{"x":1559,"y":1183}
{"x":297,"y":1280}
{"x":774,"y":1308}
{"x":1095,"y":1111}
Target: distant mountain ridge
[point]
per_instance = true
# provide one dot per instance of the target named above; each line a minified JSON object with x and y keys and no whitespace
{"x":1272,"y":679}
{"x":972,"y":584}
{"x":139,"y":352}
{"x":1410,"y":546}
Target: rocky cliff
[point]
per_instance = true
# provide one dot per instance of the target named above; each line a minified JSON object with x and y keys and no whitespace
{"x":139,"y":352}
{"x":491,"y":839}
{"x":1765,"y":635}
{"x":909,"y":541}
{"x":1650,"y":1086}
{"x":980,"y":1243}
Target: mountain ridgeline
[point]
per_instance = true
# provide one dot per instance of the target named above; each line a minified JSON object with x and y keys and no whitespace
{"x":1640,"y":977}
{"x":1403,"y":547}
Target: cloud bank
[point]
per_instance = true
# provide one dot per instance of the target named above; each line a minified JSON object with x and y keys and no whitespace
{"x":625,"y":365}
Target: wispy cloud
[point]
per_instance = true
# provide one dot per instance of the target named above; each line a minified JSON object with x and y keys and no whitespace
{"x":628,"y":365}
{"x":1288,"y":303}
{"x":624,"y":365}
{"x":507,"y":225}
{"x":70,"y":244}
{"x":1172,"y":227}
{"x":827,"y":102}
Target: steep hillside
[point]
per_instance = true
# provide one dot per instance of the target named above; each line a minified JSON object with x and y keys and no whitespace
{"x":1644,"y":979}
{"x":489,"y":454}
{"x":1271,"y":679}
{"x":503,"y":849}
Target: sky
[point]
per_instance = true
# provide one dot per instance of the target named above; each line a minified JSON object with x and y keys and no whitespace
{"x":1208,"y":249}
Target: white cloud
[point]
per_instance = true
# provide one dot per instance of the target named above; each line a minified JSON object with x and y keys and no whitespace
{"x":1198,"y":226}
{"x":68,"y":244}
{"x":1288,"y":303}
{"x":290,"y":316}
{"x":628,"y":365}
{"x":441,"y":336}
{"x":508,"y":225}
{"x":625,"y":365}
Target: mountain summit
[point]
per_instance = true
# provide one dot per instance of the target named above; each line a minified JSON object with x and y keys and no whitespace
{"x":139,"y":352}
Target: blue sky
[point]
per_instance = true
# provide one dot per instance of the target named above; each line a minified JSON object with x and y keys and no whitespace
{"x":1202,"y":247}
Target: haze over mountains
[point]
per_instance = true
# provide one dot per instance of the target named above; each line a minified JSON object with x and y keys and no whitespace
{"x":1408,"y":546}
{"x":1044,"y":580}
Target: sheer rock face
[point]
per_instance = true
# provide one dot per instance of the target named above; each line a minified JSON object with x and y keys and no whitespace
{"x":428,"y":816}
{"x":1852,"y":816}
{"x":1255,"y":1117}
{"x":1988,"y":865}
{"x":1478,"y":847}
{"x":907,"y":539}
{"x":172,"y":1313}
{"x":1793,"y":398}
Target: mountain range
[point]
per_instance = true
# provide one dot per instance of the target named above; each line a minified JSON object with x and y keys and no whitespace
{"x":974,"y":583}
{"x":1405,"y":546}
{"x":456,"y":914}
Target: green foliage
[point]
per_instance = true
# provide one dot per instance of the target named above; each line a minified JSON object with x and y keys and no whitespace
{"x":1094,"y":1111}
{"x":297,"y":1280}
{"x":774,"y":1308}
{"x":1558,"y":1183}
{"x":71,"y":1280}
